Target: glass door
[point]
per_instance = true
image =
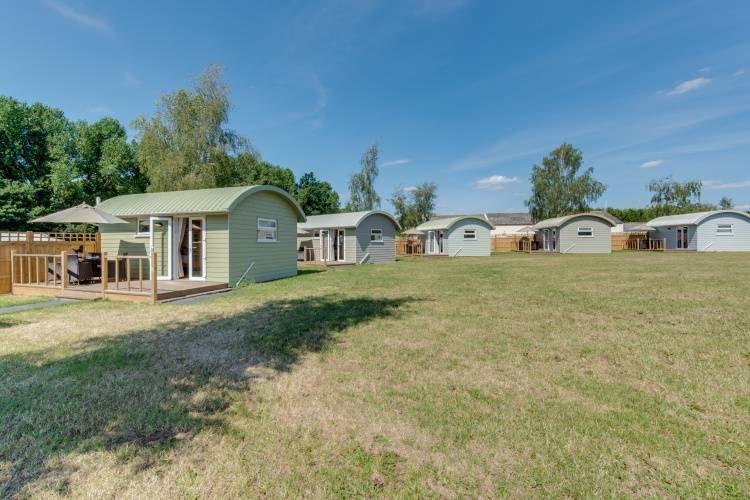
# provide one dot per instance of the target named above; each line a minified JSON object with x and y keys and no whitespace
{"x":197,"y":249}
{"x":431,"y":242}
{"x":160,"y":238}
{"x":340,"y":245}
{"x":682,"y":238}
{"x":325,"y":245}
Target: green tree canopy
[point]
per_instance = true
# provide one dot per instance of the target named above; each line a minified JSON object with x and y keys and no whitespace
{"x":186,"y":144}
{"x":559,"y":187}
{"x":414,"y":206}
{"x":362,"y":194}
{"x":316,"y":197}
{"x":253,"y":170}
{"x":97,"y":161}
{"x":48,"y":162}
{"x":726,"y":203}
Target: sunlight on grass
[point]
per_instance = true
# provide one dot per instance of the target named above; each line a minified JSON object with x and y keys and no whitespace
{"x":517,"y":375}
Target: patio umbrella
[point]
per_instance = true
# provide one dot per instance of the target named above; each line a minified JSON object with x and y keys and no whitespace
{"x":81,"y":214}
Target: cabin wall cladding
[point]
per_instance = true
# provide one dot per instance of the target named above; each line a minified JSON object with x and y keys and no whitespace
{"x":39,"y":243}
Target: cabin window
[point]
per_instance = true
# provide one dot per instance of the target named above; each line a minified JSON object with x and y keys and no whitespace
{"x":143,"y":227}
{"x":724,"y":230}
{"x":470,"y":234}
{"x":376,"y":235}
{"x":266,"y":230}
{"x":586,"y":232}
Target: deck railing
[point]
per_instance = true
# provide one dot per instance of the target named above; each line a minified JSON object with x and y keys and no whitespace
{"x":131,"y":274}
{"x":28,"y":268}
{"x":47,"y":236}
{"x":409,"y":247}
{"x":132,"y":266}
{"x":645,"y":245}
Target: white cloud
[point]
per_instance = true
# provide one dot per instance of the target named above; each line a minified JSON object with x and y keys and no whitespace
{"x":726,"y":185}
{"x":689,"y":86}
{"x":410,"y":189}
{"x":495,"y":182}
{"x":77,"y":16}
{"x":739,"y":72}
{"x":402,"y":161}
{"x":652,"y":164}
{"x":704,"y":70}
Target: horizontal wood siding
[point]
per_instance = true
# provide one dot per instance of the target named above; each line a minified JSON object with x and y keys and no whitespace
{"x":709,"y":241}
{"x":217,"y":248}
{"x":568,"y":240}
{"x":120,"y":239}
{"x":271,"y":260}
{"x":378,"y":252}
{"x":456,"y":245}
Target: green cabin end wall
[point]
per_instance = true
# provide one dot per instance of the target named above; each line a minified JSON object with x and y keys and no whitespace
{"x":455,"y":245}
{"x":271,"y":260}
{"x":570,"y":242}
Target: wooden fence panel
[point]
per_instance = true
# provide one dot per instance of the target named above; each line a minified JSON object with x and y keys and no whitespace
{"x":40,"y":243}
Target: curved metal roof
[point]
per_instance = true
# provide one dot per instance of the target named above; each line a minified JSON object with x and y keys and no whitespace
{"x":559,"y":221}
{"x":691,"y":219}
{"x":448,"y":222}
{"x":343,"y":219}
{"x":193,"y":201}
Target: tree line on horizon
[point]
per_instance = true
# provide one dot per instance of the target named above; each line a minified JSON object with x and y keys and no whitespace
{"x":48,"y":162}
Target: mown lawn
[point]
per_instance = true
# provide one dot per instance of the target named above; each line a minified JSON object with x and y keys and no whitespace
{"x":7,"y":300}
{"x":517,"y":375}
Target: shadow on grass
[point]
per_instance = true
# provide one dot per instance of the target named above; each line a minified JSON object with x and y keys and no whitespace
{"x":145,"y":392}
{"x":301,"y":271}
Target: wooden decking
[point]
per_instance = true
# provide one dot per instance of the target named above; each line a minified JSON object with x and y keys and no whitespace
{"x":165,"y":290}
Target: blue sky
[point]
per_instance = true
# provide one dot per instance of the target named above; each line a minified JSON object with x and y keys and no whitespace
{"x":464,"y":93}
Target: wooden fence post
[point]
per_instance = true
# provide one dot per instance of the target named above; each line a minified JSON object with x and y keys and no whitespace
{"x":152,"y":277}
{"x":12,"y":269}
{"x":63,"y":270}
{"x":105,"y":274}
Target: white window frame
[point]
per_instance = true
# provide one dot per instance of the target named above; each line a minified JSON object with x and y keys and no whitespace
{"x":472,"y":232}
{"x":589,"y":229}
{"x":374,"y":231}
{"x":275,"y":231}
{"x":719,"y":231}
{"x":142,"y":234}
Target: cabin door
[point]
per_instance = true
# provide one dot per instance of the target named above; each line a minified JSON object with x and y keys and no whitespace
{"x":340,"y":239}
{"x":197,"y":248}
{"x":682,"y":238}
{"x":325,"y":245}
{"x":431,"y":242}
{"x":160,"y":241}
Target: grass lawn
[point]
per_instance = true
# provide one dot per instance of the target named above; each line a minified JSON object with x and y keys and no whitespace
{"x":517,"y":375}
{"x":8,"y":300}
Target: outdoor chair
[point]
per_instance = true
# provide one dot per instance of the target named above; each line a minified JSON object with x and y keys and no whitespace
{"x":78,"y":271}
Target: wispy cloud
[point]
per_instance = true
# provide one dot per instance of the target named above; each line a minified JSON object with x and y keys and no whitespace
{"x":726,"y":185}
{"x":410,"y":189}
{"x":130,"y":80}
{"x":739,"y":72}
{"x":495,"y":182}
{"x":704,"y":70}
{"x":390,"y":163}
{"x":652,"y":164}
{"x":82,"y":18}
{"x":689,"y":86}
